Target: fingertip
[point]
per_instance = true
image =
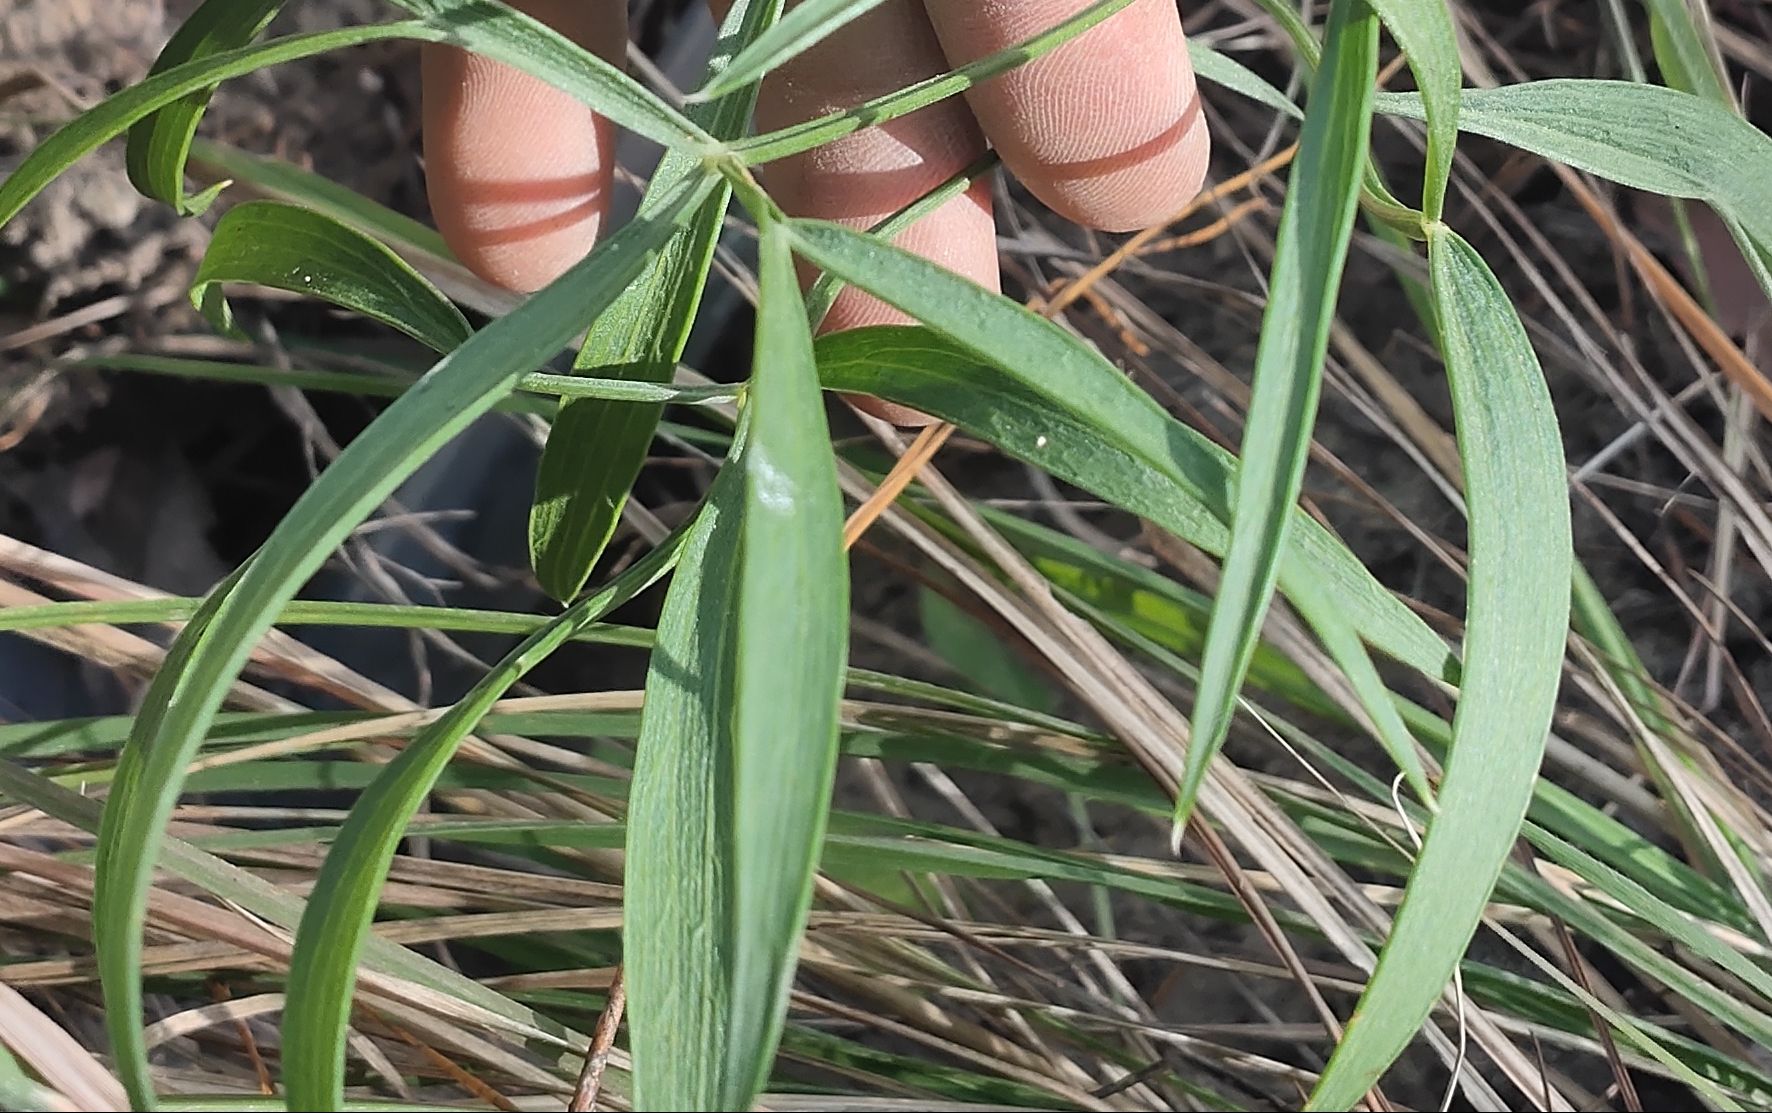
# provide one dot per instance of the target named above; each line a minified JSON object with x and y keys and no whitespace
{"x":1146,"y":191}
{"x":1107,"y":130}
{"x":519,"y":174}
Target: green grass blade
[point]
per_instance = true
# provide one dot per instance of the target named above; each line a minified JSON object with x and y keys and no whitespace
{"x":394,"y":616}
{"x":1642,"y":136}
{"x":1315,"y":229}
{"x":1515,"y":632}
{"x":323,"y":968}
{"x":805,"y":26}
{"x":596,"y":448}
{"x":160,"y":144}
{"x":821,"y":130}
{"x":285,"y":247}
{"x":1045,"y":398}
{"x":738,"y":742}
{"x":203,"y":662}
{"x":1673,"y":924}
{"x":1423,"y":28}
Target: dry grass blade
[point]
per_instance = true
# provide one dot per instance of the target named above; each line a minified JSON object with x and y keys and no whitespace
{"x":82,"y":1081}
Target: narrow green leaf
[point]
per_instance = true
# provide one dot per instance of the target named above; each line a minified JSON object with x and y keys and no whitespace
{"x":678,"y":882}
{"x":160,"y":144}
{"x":1424,"y":29}
{"x":1673,"y":924}
{"x":1043,"y":397}
{"x":1680,"y":52}
{"x":1515,"y":630}
{"x":738,"y":744}
{"x":285,"y":247}
{"x":285,"y":181}
{"x":1323,"y":611}
{"x":596,"y":449}
{"x":1227,"y":72}
{"x":323,"y":968}
{"x":1311,"y":250}
{"x":808,"y":24}
{"x":821,"y":130}
{"x":1642,"y":136}
{"x":189,"y":688}
{"x":299,"y":613}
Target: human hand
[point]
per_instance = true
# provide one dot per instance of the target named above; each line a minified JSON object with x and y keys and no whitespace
{"x":1107,"y":130}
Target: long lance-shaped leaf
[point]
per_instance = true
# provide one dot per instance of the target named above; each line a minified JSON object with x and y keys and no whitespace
{"x":1042,"y":396}
{"x":738,"y":741}
{"x":287,"y":247}
{"x":595,"y":449}
{"x":323,"y":969}
{"x":160,"y":145}
{"x":1315,"y":230}
{"x":203,"y":663}
{"x":1515,"y":629}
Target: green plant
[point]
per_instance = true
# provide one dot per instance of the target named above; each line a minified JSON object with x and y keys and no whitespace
{"x":727,"y":816}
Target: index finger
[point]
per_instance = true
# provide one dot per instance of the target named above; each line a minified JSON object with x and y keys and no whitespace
{"x":1107,"y":129}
